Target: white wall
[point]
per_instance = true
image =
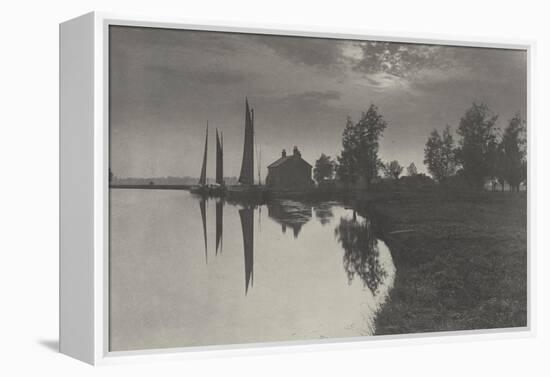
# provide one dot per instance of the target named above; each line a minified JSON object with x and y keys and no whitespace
{"x":29,"y":155}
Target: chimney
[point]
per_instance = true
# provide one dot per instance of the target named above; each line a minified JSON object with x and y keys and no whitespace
{"x":296,"y":152}
{"x":284,"y":153}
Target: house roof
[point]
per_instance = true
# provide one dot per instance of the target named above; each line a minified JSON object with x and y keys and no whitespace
{"x":283,"y":160}
{"x":279,"y":162}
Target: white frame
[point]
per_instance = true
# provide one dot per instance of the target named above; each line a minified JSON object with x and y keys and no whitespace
{"x":84,"y":277}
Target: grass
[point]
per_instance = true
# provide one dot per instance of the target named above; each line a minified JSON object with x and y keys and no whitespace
{"x":463,"y":266}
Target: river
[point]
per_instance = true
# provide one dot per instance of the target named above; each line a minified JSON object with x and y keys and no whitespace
{"x":191,"y":272}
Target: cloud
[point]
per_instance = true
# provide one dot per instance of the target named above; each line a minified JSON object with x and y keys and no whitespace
{"x":205,"y":76}
{"x":312,"y":98}
{"x":398,"y":59}
{"x":173,"y":40}
{"x":317,"y":96}
{"x":317,"y":52}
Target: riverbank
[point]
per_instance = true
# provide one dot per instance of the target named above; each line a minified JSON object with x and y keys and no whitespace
{"x":461,"y":260}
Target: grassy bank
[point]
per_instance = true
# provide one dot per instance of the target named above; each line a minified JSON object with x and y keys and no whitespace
{"x":461,"y":262}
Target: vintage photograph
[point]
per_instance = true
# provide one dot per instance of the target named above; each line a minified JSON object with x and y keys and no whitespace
{"x":270,"y":188}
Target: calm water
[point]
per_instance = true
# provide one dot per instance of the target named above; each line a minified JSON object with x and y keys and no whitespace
{"x":279,"y":272}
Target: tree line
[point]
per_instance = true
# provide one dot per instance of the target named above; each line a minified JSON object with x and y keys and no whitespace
{"x":482,"y":152}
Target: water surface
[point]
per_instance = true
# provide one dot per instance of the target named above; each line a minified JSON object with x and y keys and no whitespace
{"x":189,"y":272}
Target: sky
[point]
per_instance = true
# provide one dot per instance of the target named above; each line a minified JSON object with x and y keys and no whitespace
{"x":166,"y":84}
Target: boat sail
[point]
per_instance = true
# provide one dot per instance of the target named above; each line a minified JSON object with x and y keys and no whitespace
{"x":247,"y":168}
{"x":219,"y":159}
{"x":202,"y":179}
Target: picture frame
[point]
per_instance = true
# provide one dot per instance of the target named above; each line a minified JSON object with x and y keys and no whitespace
{"x":84,"y":191}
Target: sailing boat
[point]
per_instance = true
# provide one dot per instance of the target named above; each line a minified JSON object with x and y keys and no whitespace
{"x":247,"y":191}
{"x":218,"y":189}
{"x":202,"y":187}
{"x":219,"y":159}
{"x":247,"y":167}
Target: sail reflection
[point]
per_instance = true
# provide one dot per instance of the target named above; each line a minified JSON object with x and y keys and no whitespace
{"x":289,"y":213}
{"x":202,"y":204}
{"x":247,"y":224}
{"x":361,"y":254}
{"x":219,"y":225}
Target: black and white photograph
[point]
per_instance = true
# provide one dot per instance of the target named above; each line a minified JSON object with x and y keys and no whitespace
{"x":276,"y":188}
{"x":266,"y":189}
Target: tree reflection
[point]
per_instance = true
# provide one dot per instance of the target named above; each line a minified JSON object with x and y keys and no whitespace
{"x":361,"y":255}
{"x":289,"y":213}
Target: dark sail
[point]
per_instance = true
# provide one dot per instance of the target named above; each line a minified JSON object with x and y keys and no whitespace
{"x":219,"y":224}
{"x":247,"y":224}
{"x":202,"y":204}
{"x":219,"y":159}
{"x":247,"y":168}
{"x":202,"y":180}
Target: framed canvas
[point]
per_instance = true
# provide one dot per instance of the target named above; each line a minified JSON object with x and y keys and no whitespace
{"x":230,"y":189}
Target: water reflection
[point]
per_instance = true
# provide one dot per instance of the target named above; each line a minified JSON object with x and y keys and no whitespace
{"x":247,"y":225}
{"x":323,"y":212}
{"x":361,"y":254}
{"x":355,"y":235}
{"x":219,"y":225}
{"x":202,"y":205}
{"x":327,"y":281}
{"x":289,"y":213}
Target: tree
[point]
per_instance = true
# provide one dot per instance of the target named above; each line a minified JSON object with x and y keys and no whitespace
{"x":393,"y":169}
{"x":411,"y":170}
{"x":324,"y":168}
{"x":478,"y":146}
{"x":359,"y":157}
{"x":439,"y":155}
{"x":511,"y":166}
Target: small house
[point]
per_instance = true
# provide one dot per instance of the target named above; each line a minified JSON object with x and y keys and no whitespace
{"x":289,"y":172}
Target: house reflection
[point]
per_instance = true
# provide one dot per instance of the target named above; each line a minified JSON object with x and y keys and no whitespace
{"x":289,"y":213}
{"x":361,"y":255}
